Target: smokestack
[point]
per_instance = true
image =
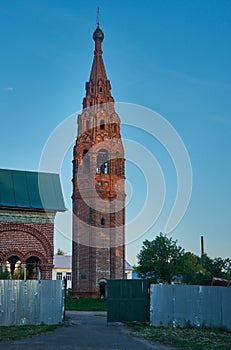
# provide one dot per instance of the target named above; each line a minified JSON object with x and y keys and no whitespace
{"x":202,"y":246}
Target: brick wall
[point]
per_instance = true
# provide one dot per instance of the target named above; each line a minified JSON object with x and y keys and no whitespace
{"x":25,"y":235}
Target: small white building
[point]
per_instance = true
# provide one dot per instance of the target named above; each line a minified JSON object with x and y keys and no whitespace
{"x":128,"y":270}
{"x":62,"y":268}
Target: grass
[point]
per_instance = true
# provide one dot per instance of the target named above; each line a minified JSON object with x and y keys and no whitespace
{"x":81,"y":304}
{"x":184,"y":338}
{"x":17,"y":332}
{"x":86,"y":304}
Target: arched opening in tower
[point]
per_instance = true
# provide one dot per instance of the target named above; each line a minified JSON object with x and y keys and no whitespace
{"x":102,"y":162}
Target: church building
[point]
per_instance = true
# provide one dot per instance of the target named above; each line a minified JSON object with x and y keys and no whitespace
{"x":29,"y":202}
{"x":98,"y":187}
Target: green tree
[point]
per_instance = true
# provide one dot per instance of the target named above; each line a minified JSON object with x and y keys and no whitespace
{"x":60,"y":252}
{"x":192,"y":270}
{"x":160,"y":260}
{"x":216,"y":267}
{"x":4,"y":275}
{"x":18,"y":273}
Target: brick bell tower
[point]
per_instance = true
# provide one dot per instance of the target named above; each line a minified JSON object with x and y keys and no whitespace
{"x":98,"y":187}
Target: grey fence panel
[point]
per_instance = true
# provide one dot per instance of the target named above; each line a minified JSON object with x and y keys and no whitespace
{"x":52,"y":303}
{"x":185,"y":302}
{"x":26,"y":302}
{"x":31,"y":302}
{"x":161,"y":305}
{"x":7,"y":305}
{"x":226,"y":308}
{"x":211,"y":298}
{"x":199,"y":306}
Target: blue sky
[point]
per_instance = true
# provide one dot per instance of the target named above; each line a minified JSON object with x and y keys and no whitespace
{"x":170,"y":56}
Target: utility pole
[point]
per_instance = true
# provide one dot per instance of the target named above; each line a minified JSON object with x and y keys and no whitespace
{"x":202,"y":246}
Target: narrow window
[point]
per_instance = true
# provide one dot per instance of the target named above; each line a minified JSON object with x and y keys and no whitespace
{"x":68,"y":276}
{"x":115,"y":128}
{"x":86,"y":162}
{"x":87,"y":125}
{"x":59,"y":276}
{"x":102,"y":221}
{"x":100,"y":89}
{"x":118,"y":164}
{"x":102,"y":125}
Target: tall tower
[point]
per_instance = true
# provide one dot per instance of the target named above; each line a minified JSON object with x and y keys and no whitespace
{"x":98,"y":187}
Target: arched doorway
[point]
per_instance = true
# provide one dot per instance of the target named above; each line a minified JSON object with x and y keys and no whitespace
{"x":102,"y":289}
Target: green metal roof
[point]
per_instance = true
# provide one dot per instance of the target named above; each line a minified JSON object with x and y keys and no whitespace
{"x":31,"y":190}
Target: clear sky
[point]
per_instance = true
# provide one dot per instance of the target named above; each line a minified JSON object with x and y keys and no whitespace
{"x":171,"y":56}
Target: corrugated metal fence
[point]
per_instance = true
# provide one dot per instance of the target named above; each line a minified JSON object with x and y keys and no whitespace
{"x":31,"y":302}
{"x":200,"y":306}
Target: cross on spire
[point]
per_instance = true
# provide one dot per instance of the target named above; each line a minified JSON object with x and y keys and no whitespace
{"x":97,"y":17}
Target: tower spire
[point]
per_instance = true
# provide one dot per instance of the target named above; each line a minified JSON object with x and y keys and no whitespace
{"x":98,"y":88}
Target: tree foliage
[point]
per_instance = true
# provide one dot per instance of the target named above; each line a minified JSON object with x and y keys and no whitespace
{"x":162,"y":260}
{"x":60,"y":252}
{"x":4,"y":275}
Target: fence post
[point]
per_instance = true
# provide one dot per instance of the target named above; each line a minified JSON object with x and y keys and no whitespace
{"x":65,"y":297}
